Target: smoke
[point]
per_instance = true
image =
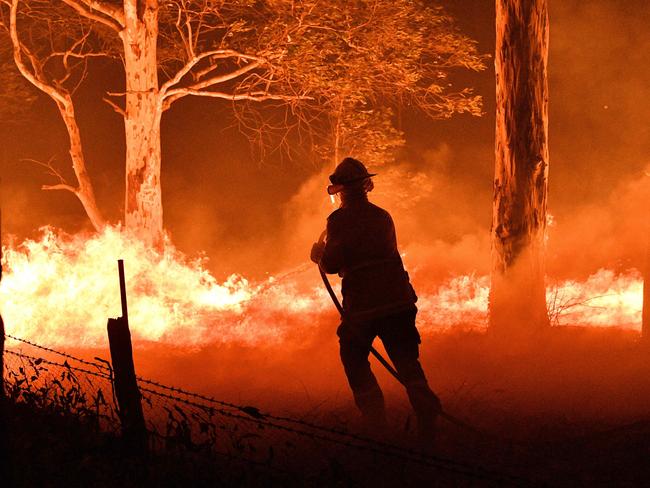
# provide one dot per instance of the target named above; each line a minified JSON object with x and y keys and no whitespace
{"x":599,"y":139}
{"x":262,"y":220}
{"x":612,"y":233}
{"x":434,"y":215}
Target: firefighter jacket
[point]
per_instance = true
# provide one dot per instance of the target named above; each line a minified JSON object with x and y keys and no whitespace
{"x":361,"y":247}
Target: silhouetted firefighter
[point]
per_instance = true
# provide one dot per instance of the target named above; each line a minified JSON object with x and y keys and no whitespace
{"x":378,"y":299}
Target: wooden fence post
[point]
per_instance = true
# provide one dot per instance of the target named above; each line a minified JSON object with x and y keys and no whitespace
{"x":126,"y":387}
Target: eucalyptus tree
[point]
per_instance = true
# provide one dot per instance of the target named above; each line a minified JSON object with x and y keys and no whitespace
{"x":518,"y":293}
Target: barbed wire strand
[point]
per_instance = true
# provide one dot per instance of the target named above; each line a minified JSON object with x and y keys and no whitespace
{"x":253,"y":414}
{"x":60,"y":353}
{"x":39,"y":360}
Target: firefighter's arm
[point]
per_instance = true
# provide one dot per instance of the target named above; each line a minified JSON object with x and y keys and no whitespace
{"x":331,"y":260}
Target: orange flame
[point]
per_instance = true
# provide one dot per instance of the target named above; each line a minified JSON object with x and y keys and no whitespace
{"x":60,"y":290}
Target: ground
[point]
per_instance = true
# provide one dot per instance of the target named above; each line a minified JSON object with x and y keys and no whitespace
{"x":569,"y":408}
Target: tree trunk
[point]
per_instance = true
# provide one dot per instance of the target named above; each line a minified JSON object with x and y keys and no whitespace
{"x":84,"y":191}
{"x":517,"y":294}
{"x":143,"y":202}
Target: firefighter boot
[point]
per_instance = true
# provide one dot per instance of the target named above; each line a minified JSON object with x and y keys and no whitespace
{"x":373,"y":411}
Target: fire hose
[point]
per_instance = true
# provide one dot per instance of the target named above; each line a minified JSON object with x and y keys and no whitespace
{"x":384,"y":362}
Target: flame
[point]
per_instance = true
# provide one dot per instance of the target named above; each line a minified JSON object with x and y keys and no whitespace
{"x":604,"y":299}
{"x":60,"y":289}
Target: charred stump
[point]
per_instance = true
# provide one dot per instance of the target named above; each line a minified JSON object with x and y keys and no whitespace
{"x":518,"y":294}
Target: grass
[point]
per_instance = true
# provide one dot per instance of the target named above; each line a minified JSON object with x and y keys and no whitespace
{"x":570,"y":409}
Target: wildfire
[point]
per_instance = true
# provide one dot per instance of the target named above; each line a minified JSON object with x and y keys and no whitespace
{"x":60,"y":290}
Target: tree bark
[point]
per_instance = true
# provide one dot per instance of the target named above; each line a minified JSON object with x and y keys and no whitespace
{"x":84,"y":190}
{"x":517,"y":294}
{"x":143,"y":202}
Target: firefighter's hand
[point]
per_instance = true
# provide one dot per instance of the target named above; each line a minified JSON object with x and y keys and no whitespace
{"x":317,"y":251}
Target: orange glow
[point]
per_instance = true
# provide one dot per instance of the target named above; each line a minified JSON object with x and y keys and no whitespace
{"x":60,"y":290}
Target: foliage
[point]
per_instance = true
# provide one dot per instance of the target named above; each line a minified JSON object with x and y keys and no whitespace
{"x":369,"y":134}
{"x":361,"y":61}
{"x":343,"y":67}
{"x":378,"y":52}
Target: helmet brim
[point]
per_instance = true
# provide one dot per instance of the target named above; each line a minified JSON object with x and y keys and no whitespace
{"x":334,"y":189}
{"x":353,"y":180}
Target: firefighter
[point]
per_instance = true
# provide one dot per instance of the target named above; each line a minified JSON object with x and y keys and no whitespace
{"x":378,"y":299}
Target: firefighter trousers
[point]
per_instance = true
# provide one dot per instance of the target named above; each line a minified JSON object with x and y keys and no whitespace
{"x":401,"y":341}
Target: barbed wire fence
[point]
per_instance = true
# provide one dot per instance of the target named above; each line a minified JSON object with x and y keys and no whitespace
{"x":178,"y":420}
{"x":60,"y":387}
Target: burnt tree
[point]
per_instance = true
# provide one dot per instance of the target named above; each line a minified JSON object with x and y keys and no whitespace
{"x":517,"y":294}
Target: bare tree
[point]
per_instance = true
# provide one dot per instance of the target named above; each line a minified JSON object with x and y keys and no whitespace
{"x":517,"y":295}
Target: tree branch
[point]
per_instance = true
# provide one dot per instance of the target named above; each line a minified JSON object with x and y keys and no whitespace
{"x":60,"y":186}
{"x":115,"y":106}
{"x":215,"y":80}
{"x":112,"y":17}
{"x":258,"y":96}
{"x":214,"y":54}
{"x":19,"y":49}
{"x":107,"y":9}
{"x":79,"y":43}
{"x":61,"y":54}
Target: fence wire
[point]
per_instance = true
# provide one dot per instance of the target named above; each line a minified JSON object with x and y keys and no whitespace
{"x":180,"y":420}
{"x":61,"y":388}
